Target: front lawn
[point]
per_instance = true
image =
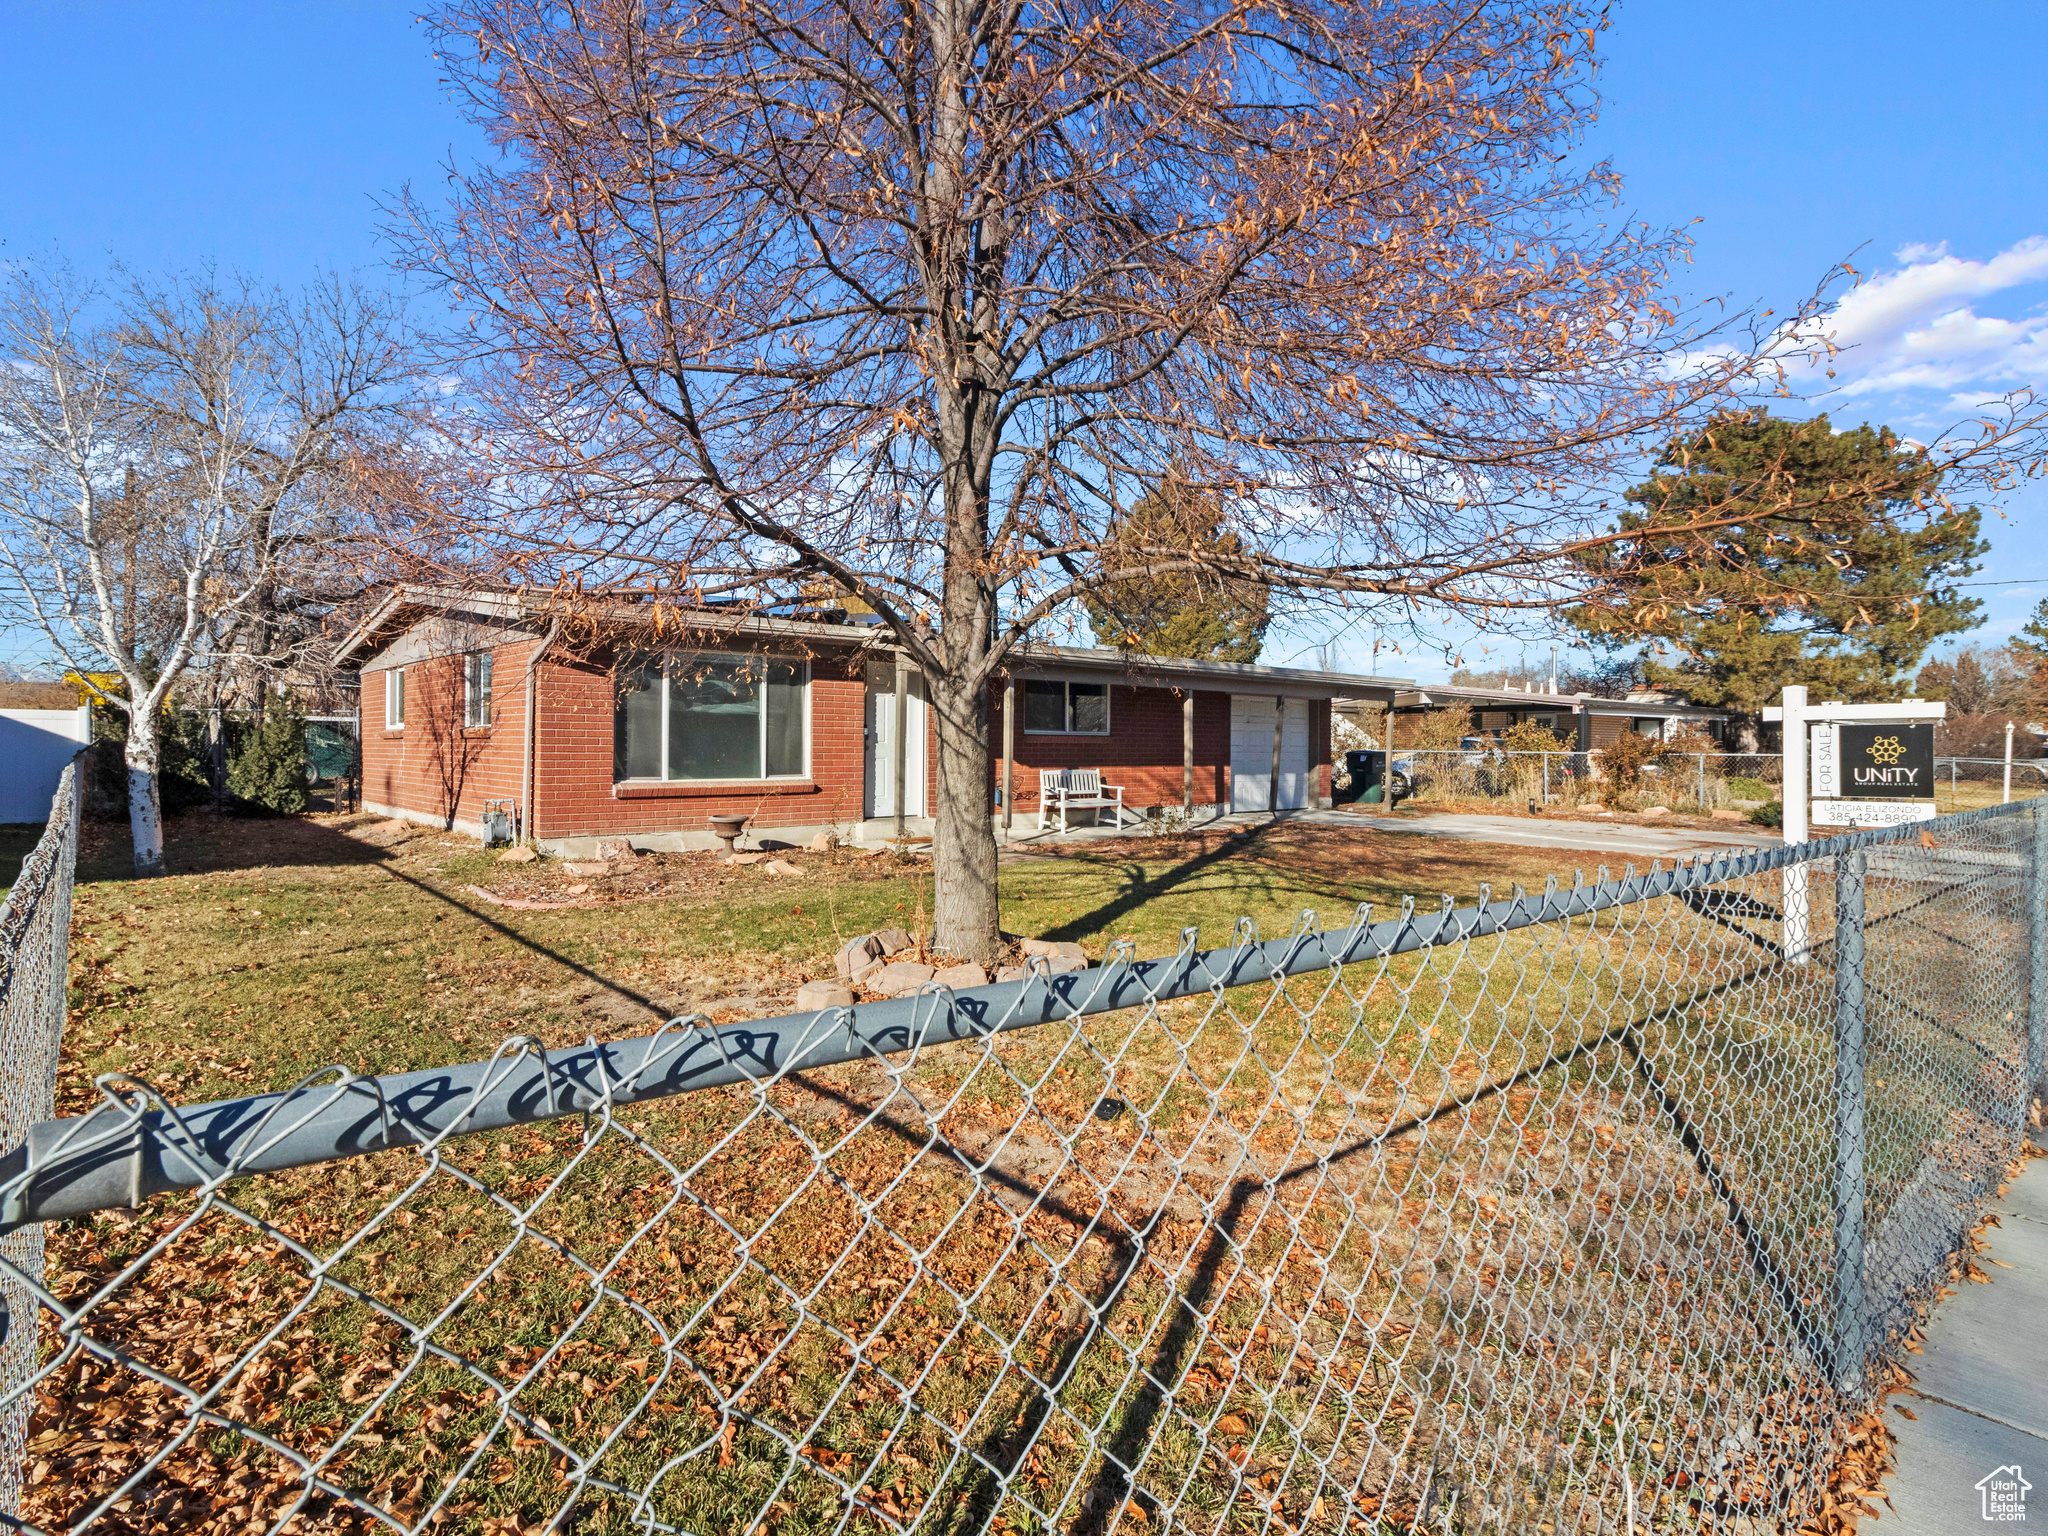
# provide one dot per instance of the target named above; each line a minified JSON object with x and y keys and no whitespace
{"x":274,"y":948}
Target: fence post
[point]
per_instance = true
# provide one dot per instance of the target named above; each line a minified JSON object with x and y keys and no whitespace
{"x":1703,"y":784}
{"x":1849,"y":1145}
{"x":2037,"y":954}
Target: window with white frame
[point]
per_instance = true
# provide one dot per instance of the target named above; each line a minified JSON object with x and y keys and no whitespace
{"x":476,"y":689}
{"x":394,"y":699}
{"x":1066,"y":709}
{"x":697,"y":716}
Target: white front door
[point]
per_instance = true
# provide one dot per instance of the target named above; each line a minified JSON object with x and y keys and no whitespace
{"x":880,"y":775}
{"x":1251,"y":753}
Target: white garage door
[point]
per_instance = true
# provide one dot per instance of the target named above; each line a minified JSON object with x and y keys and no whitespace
{"x":1251,"y":753}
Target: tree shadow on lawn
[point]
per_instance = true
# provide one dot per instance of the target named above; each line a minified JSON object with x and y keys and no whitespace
{"x":208,"y":842}
{"x":205,"y":842}
{"x":1328,"y":867}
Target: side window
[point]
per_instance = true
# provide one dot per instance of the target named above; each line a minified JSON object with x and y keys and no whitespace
{"x":476,"y":689}
{"x":394,"y":699}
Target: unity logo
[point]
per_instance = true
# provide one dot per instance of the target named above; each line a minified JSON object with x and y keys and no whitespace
{"x":1887,"y":762}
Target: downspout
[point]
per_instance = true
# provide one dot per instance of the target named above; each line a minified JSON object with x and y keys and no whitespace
{"x":526,"y":832}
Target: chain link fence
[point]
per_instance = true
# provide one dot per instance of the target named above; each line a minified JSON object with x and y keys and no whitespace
{"x":1601,"y":1208}
{"x":1965,"y":783}
{"x":1696,"y":783}
{"x":35,"y":941}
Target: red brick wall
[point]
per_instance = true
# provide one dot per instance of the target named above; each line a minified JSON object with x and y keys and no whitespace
{"x":573,"y":788}
{"x":435,"y":767}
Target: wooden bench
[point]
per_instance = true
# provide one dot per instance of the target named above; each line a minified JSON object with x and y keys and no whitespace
{"x":1079,"y":789}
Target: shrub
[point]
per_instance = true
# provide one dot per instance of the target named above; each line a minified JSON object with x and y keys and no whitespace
{"x":1437,"y":730}
{"x":1622,"y":764}
{"x":1741,"y":787}
{"x":269,"y":773}
{"x":1769,"y":815}
{"x":1531,"y":737}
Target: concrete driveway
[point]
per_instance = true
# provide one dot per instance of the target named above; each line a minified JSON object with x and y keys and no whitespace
{"x":1621,"y":839}
{"x":1561,"y":832}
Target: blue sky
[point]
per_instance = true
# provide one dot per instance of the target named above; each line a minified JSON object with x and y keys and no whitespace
{"x":1902,"y":137}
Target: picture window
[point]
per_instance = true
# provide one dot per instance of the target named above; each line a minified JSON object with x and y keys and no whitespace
{"x":712,"y":717}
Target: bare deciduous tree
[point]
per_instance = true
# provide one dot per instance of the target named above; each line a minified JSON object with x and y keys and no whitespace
{"x":173,"y":462}
{"x":919,"y":299}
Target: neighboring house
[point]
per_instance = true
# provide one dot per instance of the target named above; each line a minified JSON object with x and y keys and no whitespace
{"x":628,"y":719}
{"x":42,"y":727}
{"x":1581,"y":719}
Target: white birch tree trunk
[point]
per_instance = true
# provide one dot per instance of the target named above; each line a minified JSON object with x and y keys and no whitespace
{"x":144,"y":757}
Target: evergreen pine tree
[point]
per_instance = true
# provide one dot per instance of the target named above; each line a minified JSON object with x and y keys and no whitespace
{"x":269,"y":772}
{"x":1841,"y":591}
{"x":1180,"y":613}
{"x":2034,"y":636}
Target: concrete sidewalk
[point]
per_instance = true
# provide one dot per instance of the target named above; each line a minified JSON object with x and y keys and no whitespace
{"x":1979,"y":1406}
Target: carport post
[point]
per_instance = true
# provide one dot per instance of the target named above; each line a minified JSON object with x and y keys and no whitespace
{"x":901,"y":746}
{"x":1273,"y":784}
{"x":1387,"y":767}
{"x":1009,"y":752}
{"x":1187,"y":755}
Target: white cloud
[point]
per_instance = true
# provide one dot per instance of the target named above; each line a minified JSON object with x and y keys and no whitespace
{"x":1917,"y":327}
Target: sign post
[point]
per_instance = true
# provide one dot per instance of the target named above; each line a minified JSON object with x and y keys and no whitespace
{"x":1849,"y":766}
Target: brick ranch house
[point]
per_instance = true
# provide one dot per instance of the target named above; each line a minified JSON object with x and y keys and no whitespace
{"x":642,"y":722}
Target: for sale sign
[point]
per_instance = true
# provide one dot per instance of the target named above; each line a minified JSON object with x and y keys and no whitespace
{"x":1885,"y":762}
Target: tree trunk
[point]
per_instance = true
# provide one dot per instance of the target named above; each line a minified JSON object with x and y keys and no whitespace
{"x":145,"y":810}
{"x":964,"y":838}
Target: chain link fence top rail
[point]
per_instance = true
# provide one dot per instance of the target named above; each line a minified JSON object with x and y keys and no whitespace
{"x":35,"y":935}
{"x":1597,"y":1209}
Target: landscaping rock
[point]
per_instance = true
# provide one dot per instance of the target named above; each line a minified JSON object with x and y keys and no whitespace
{"x":615,"y":848}
{"x":1011,"y":973}
{"x":893,"y":940}
{"x":813,"y":995}
{"x":1722,"y":813}
{"x":861,"y":954}
{"x":781,"y":867}
{"x":748,"y":858}
{"x":1658,"y":810}
{"x":586,"y":867}
{"x":520,"y":855}
{"x":824,"y":842}
{"x":967,"y":975}
{"x":1054,"y":949}
{"x":899,"y":977}
{"x":574,"y":890}
{"x":1059,"y":965}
